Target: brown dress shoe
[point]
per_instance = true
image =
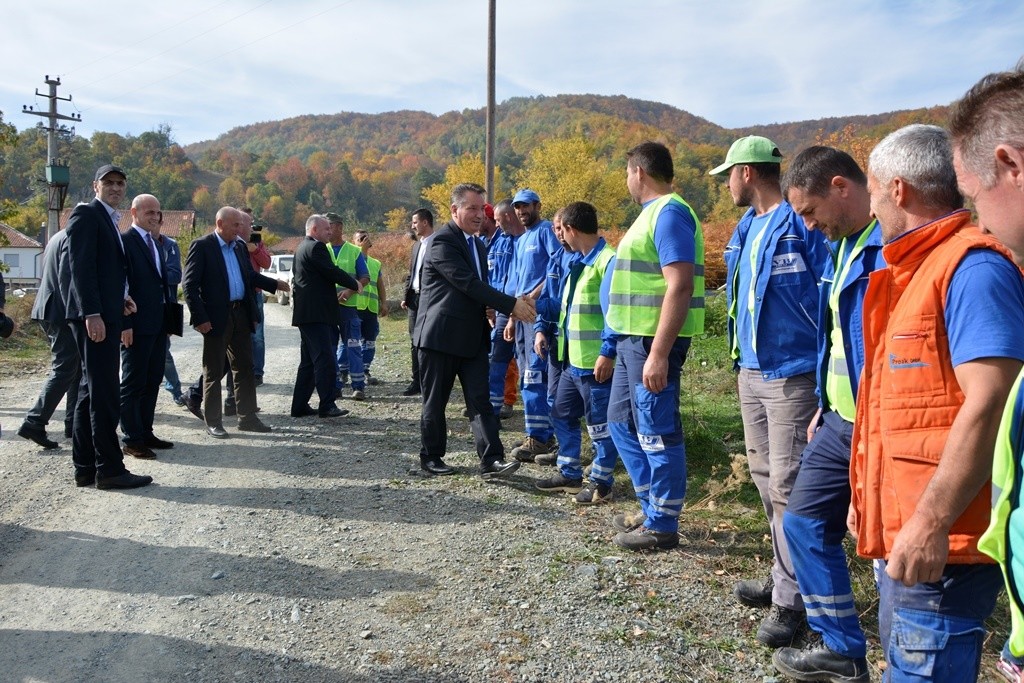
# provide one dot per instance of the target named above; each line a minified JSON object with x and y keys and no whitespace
{"x":140,"y":452}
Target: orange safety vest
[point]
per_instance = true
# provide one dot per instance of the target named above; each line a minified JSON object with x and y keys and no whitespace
{"x":909,"y":396}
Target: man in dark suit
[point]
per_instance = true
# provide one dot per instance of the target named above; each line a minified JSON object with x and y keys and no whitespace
{"x":220,"y":290}
{"x":452,"y":335}
{"x":96,"y":302}
{"x":65,"y":363}
{"x":422,"y":230}
{"x":144,"y":334}
{"x":315,"y":311}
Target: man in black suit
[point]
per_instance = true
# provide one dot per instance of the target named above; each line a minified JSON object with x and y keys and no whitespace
{"x":144,"y":333}
{"x":452,"y":335}
{"x":422,"y":230}
{"x":65,"y":363}
{"x":220,"y":290}
{"x":96,"y":303}
{"x":315,"y":311}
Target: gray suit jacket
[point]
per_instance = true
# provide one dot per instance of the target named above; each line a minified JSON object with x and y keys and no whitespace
{"x":49,"y":305}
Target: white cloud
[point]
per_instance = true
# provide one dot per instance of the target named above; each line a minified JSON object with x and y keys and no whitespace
{"x":206,"y":67}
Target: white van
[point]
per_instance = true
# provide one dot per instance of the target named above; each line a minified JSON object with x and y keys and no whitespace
{"x":281,"y":269}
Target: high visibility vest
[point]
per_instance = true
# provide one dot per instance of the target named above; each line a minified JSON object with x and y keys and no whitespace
{"x":346,"y":260}
{"x":586,"y":321}
{"x":908,"y":396}
{"x":838,"y":388}
{"x":370,"y":298}
{"x":638,"y":286}
{"x":1003,"y":541}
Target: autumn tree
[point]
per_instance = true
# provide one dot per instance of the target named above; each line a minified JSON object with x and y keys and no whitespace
{"x":567,"y":170}
{"x":468,"y":169}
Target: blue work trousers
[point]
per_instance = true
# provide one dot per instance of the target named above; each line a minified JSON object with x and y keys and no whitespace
{"x":581,"y":396}
{"x":370,"y":328}
{"x":648,"y":432}
{"x":502,"y":353}
{"x":350,"y":348}
{"x":534,"y":371}
{"x":814,"y":524}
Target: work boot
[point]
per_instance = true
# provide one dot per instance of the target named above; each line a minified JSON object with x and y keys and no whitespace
{"x":645,"y":538}
{"x":815,"y":661}
{"x":530,"y":449}
{"x":781,"y":626}
{"x":628,"y":521}
{"x":755,"y":592}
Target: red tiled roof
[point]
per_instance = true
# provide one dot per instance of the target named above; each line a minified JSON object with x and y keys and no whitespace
{"x":175,"y":222}
{"x":17,"y":239}
{"x":287,"y":245}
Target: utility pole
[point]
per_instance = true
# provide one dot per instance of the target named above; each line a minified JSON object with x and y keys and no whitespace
{"x":58,"y":174}
{"x":489,"y":154}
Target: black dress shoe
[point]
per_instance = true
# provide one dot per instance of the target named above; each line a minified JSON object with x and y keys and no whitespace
{"x":85,"y":478}
{"x":140,"y":452}
{"x":254,"y":424}
{"x":217,"y":432}
{"x":303,"y":412}
{"x":333,"y":411}
{"x":498,"y":468}
{"x":436,"y":466}
{"x":38,"y":435}
{"x":158,"y":443}
{"x":411,"y":390}
{"x":127,"y":480}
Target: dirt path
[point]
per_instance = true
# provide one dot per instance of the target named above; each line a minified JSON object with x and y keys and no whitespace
{"x":317,"y":553}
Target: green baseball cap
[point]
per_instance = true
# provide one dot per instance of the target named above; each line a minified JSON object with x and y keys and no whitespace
{"x":752,"y":149}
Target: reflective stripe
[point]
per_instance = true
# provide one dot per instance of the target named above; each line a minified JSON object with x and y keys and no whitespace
{"x":831,"y":612}
{"x":586,"y":309}
{"x":635,"y":266}
{"x":584,"y":335}
{"x":638,"y":285}
{"x":649,"y":300}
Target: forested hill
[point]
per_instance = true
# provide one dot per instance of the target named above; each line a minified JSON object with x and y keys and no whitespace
{"x":522,"y":122}
{"x":374,"y":169}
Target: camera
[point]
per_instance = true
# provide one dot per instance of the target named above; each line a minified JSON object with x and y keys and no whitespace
{"x":256,"y":237}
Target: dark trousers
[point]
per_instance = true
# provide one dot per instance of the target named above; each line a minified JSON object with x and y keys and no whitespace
{"x":65,"y":375}
{"x":438,"y":371}
{"x":317,"y":342}
{"x":94,"y":445}
{"x":236,"y":342}
{"x":415,"y":354}
{"x":142,"y":369}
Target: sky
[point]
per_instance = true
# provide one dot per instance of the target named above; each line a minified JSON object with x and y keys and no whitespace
{"x":204,"y":67}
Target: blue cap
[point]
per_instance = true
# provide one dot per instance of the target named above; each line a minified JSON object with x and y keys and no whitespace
{"x":525,"y":196}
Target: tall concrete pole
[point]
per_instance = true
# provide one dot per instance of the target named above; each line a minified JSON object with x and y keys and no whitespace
{"x":489,"y":155}
{"x":57,"y":172}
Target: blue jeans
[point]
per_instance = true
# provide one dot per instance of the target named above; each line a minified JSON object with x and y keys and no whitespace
{"x":172,"y":382}
{"x":934,"y":631}
{"x":648,"y":431}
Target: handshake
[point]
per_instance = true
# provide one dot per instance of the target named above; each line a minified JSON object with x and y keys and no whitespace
{"x":525,"y":309}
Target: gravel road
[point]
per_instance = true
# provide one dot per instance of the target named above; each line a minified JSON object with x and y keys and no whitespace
{"x":318,"y":553}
